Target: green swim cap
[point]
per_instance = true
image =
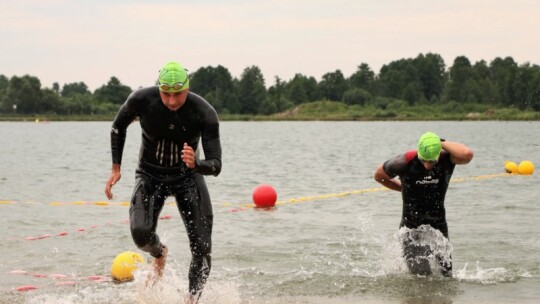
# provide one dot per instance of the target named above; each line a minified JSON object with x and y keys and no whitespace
{"x":173,"y":78}
{"x":429,"y":146}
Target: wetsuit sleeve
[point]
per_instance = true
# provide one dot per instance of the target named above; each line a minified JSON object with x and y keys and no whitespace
{"x":446,"y":159}
{"x":123,"y":119}
{"x":211,"y":144}
{"x":396,"y":165}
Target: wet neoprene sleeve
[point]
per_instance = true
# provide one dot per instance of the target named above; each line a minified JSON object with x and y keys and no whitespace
{"x":123,"y":118}
{"x":211,"y":165}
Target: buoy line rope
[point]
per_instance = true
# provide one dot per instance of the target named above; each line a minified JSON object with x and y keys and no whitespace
{"x":246,"y":206}
{"x":78,"y":230}
{"x":59,"y":280}
{"x":361,"y":191}
{"x":250,"y":205}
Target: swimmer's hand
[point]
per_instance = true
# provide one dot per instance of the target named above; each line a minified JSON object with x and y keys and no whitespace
{"x":113,"y":179}
{"x":188,"y":156}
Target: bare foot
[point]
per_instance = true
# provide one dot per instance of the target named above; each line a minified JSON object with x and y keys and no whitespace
{"x":159,"y":265}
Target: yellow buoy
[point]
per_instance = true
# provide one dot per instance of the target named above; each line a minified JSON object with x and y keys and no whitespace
{"x":510,"y":167}
{"x":526,"y":168}
{"x":124,"y":265}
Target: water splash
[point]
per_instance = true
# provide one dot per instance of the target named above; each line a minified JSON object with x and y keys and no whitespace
{"x":381,"y":253}
{"x":489,"y":276}
{"x":172,"y":288}
{"x":426,"y":250}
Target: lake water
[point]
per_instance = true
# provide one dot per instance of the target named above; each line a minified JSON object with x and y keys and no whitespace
{"x":323,"y":243}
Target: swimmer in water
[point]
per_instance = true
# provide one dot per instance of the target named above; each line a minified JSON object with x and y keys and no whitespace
{"x":424,"y":175}
{"x":173,"y":121}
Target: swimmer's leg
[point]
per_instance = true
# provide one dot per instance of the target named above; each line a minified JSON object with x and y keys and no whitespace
{"x":446,"y":265}
{"x":416,"y":255}
{"x":444,"y":262}
{"x":195,"y":209}
{"x":146,"y":204}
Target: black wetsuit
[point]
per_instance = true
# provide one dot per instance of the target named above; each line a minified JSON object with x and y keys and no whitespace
{"x":423,"y":192}
{"x":162,"y":173}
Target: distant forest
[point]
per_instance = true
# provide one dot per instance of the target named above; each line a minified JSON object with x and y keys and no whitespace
{"x":424,"y":80}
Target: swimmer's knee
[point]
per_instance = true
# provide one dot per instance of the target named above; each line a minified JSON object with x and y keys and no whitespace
{"x":419,"y":266}
{"x":142,"y":236}
{"x":417,"y":258}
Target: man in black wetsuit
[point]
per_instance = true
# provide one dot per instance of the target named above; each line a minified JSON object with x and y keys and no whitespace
{"x":173,"y":120}
{"x":424,"y":175}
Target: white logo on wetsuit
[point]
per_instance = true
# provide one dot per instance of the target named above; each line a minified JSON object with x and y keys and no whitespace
{"x":168,"y":153}
{"x":115,"y":130}
{"x":428,"y":180}
{"x":171,"y":126}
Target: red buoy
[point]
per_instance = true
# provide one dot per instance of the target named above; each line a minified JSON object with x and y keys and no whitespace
{"x":264,"y":196}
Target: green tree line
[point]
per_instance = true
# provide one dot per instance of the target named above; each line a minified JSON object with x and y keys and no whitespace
{"x":423,"y":80}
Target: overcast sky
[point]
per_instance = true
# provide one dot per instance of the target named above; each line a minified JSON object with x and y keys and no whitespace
{"x":69,"y":41}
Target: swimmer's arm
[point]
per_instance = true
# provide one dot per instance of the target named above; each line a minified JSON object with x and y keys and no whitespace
{"x":118,"y":140}
{"x":460,"y":154}
{"x":123,"y":119}
{"x":113,"y":179}
{"x":387,"y":181}
{"x":211,"y":165}
{"x":125,"y":116}
{"x":211,"y":144}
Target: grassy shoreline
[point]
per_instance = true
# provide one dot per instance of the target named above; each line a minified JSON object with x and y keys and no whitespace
{"x":336,"y":111}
